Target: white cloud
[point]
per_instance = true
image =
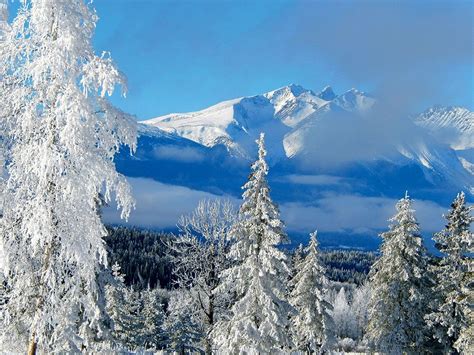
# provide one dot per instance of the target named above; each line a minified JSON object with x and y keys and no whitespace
{"x":158,"y":205}
{"x":355,"y":214}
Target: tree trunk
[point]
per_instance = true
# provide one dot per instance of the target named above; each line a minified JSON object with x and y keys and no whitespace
{"x":51,"y":190}
{"x":40,"y":300}
{"x":32,"y":346}
{"x":210,"y":315}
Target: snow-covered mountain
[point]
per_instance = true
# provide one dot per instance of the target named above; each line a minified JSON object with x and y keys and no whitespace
{"x":328,"y":131}
{"x":329,"y":153}
{"x":236,"y":123}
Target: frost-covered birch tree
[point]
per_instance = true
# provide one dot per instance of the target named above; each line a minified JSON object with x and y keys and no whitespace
{"x":258,"y":317}
{"x":399,"y":284}
{"x":3,"y":17}
{"x":358,"y":310}
{"x":452,"y":316}
{"x":341,"y":315}
{"x":199,"y":255}
{"x":61,"y":134}
{"x":311,"y":324}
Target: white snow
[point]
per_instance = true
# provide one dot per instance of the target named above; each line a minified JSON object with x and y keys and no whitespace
{"x":232,"y":122}
{"x":467,"y":165}
{"x":451,"y":125}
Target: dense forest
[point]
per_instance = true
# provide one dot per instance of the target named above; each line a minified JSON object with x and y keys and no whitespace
{"x":143,"y":256}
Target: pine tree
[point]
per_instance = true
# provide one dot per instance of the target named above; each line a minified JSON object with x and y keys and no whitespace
{"x":451,"y":314}
{"x":399,"y":284}
{"x":122,"y":311}
{"x":311,"y":324}
{"x":258,"y":315}
{"x":62,"y":135}
{"x":182,"y":325}
{"x":153,"y":320}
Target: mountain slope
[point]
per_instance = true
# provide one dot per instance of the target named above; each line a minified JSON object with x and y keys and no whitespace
{"x":237,"y":123}
{"x":452,"y":125}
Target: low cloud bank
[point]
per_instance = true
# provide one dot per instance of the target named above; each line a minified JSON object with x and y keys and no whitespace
{"x":356,"y":214}
{"x":160,"y":205}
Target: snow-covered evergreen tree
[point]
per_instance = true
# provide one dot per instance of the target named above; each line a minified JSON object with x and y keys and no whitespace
{"x":183,"y":325}
{"x":153,"y":333}
{"x":121,"y":311}
{"x":258,"y":315}
{"x":61,"y":134}
{"x":199,"y":255}
{"x":451,"y":314}
{"x":311,"y":324}
{"x":296,"y":259}
{"x":465,"y":342}
{"x":399,"y":284}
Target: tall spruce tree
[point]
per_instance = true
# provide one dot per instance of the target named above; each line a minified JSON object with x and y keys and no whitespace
{"x":61,"y":134}
{"x":121,"y":309}
{"x":452,"y":313}
{"x":399,"y":284}
{"x":311,"y":324}
{"x":258,"y":315}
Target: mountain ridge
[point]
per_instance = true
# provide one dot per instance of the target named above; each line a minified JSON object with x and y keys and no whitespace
{"x":304,"y":125}
{"x":337,"y":164}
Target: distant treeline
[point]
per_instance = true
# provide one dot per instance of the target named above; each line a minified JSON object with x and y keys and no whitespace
{"x":142,"y":256}
{"x":350,"y":266}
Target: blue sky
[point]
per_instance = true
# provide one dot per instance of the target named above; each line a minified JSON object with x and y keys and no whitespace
{"x":186,"y":55}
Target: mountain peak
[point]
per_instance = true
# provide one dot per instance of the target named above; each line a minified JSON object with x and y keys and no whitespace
{"x":296,"y":89}
{"x":327,"y":94}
